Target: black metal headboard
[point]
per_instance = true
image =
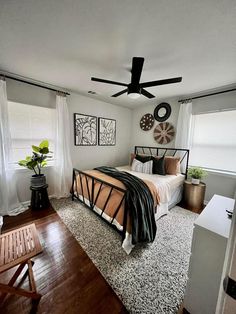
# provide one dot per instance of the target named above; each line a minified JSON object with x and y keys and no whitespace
{"x":160,"y":151}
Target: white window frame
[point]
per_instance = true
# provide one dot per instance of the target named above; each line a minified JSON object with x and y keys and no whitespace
{"x":227,"y":173}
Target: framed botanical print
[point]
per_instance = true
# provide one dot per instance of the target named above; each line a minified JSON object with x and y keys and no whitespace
{"x":85,"y":130}
{"x":106,"y":132}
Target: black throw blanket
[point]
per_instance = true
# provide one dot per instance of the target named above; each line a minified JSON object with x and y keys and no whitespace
{"x":139,"y":202}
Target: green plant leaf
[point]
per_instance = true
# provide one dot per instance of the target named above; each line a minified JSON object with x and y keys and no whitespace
{"x":197,"y":173}
{"x":38,"y":158}
{"x":44,"y":150}
{"x":43,"y":163}
{"x":35,"y":148}
{"x":22,"y":163}
{"x":44,"y":144}
{"x":32,"y":163}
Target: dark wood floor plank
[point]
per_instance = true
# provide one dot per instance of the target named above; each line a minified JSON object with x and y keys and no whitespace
{"x":64,"y":274}
{"x":11,"y":222}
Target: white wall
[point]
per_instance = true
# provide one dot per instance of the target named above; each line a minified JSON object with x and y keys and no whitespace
{"x":82,"y":157}
{"x":219,"y":184}
{"x":145,"y":138}
{"x":88,"y":157}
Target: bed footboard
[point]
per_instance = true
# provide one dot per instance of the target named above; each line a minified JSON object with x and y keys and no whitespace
{"x":89,"y":196}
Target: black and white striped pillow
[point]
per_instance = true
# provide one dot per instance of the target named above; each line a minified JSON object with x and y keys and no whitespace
{"x":139,"y":166}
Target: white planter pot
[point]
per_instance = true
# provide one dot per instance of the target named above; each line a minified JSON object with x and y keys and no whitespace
{"x":195,"y":181}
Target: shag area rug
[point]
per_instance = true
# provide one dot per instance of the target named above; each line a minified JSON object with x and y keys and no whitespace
{"x":152,"y":279}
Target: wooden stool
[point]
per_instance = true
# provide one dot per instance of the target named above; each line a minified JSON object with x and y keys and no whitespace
{"x":39,"y":197}
{"x":17,"y":247}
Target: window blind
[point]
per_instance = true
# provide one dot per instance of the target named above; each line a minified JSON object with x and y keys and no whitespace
{"x":214,"y":141}
{"x":29,"y":125}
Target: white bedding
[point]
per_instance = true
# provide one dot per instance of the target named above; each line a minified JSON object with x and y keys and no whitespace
{"x":170,"y":188}
{"x":166,"y":185}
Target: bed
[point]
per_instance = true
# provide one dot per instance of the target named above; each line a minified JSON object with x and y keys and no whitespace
{"x":106,"y":196}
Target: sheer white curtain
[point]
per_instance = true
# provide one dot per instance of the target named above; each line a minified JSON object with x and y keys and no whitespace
{"x":183,"y":131}
{"x":9,"y":202}
{"x":184,"y":128}
{"x":62,"y":171}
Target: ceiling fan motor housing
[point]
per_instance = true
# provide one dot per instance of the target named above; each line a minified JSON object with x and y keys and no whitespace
{"x":134,"y":89}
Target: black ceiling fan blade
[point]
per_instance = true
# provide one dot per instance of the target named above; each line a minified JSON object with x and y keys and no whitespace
{"x":120,"y":93}
{"x":162,"y":82}
{"x":137,"y":66}
{"x":147,"y":94}
{"x":107,"y":81}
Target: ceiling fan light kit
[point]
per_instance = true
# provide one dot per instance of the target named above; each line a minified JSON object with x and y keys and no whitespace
{"x":135,"y":88}
{"x":133,"y":95}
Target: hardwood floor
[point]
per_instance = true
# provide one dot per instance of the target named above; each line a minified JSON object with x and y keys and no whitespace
{"x":64,"y":274}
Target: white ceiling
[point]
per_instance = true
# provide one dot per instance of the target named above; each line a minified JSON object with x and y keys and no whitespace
{"x":66,"y":42}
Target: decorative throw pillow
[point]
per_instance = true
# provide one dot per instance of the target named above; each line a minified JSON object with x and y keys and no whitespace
{"x":172,"y":165}
{"x":159,"y":166}
{"x":143,"y":158}
{"x":144,"y":167}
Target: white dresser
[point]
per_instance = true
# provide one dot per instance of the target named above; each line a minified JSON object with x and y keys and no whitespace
{"x":210,"y":235}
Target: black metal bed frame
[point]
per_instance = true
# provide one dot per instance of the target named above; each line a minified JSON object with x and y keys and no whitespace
{"x":92,"y":200}
{"x":147,"y":150}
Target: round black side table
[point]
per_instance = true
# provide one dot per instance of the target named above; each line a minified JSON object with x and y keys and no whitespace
{"x":39,"y":197}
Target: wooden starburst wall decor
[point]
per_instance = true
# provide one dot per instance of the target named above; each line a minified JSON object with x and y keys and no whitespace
{"x":147,"y":122}
{"x":164,"y":133}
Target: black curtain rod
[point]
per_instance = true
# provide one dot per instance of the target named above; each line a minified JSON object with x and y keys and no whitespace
{"x":31,"y":83}
{"x":206,"y":95}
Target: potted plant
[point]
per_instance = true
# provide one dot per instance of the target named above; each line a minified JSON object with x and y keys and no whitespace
{"x":36,"y":162}
{"x":196,"y":173}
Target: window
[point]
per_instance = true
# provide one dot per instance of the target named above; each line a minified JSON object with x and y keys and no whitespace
{"x":214,"y":141}
{"x":29,"y":125}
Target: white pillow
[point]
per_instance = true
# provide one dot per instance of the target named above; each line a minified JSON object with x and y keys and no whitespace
{"x":139,"y":166}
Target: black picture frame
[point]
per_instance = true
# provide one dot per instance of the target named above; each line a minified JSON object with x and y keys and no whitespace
{"x":85,"y":130}
{"x":106,"y":132}
{"x":162,"y":105}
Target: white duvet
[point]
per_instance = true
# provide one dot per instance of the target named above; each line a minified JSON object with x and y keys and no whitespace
{"x":166,"y":185}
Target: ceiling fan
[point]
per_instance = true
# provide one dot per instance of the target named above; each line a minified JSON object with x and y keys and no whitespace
{"x":135,"y":88}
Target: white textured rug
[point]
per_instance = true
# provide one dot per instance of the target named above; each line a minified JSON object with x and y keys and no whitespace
{"x":152,"y":279}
